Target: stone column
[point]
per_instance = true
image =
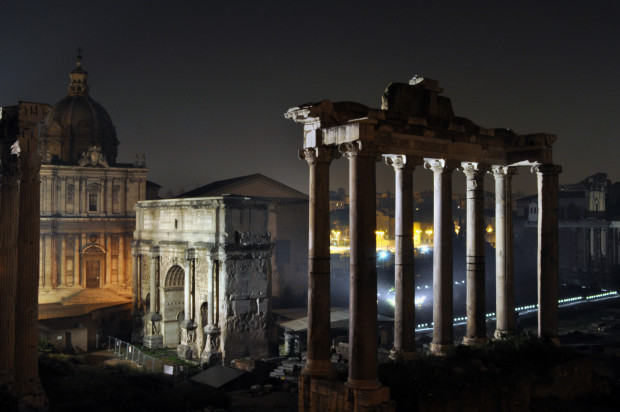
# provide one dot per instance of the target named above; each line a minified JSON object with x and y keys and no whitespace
{"x":475,"y":259}
{"x":319,"y":338}
{"x":363,"y":278}
{"x":404,"y":275}
{"x":108,"y":258}
{"x":136,"y":312}
{"x":188,"y":349}
{"x":154,"y":339}
{"x":9,"y":222}
{"x":62,"y":266}
{"x":548,"y":250}
{"x":211,"y":353}
{"x":504,"y":262}
{"x":53,"y":254}
{"x":77,"y":278}
{"x":27,"y":384}
{"x":443,"y":338}
{"x":121,"y":276}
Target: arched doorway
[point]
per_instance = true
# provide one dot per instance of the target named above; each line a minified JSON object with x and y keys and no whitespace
{"x":93,"y":266}
{"x":173,"y":303}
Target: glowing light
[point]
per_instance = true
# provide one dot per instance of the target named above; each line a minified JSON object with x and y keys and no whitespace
{"x":489,"y":229}
{"x":383,"y":254}
{"x":420,"y":300}
{"x":424,"y":250}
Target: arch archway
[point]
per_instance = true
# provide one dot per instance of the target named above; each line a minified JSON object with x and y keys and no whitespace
{"x":173,"y":304}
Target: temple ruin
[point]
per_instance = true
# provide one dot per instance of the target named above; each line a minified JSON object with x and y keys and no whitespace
{"x":19,"y":254}
{"x":415,"y":126}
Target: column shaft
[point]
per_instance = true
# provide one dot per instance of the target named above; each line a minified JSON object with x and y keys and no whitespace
{"x":548,"y":251}
{"x":153,"y":284}
{"x":27,"y":382}
{"x":186,"y":289}
{"x":363,"y":277}
{"x":443,"y":338}
{"x":135,"y":287}
{"x":504,"y":263}
{"x":9,"y":222}
{"x":319,"y":338}
{"x":404,"y":275}
{"x":475,"y":258}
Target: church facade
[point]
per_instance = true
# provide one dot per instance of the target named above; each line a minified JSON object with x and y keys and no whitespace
{"x":87,"y":199}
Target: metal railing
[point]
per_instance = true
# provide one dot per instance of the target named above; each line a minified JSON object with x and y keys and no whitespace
{"x":125,"y":350}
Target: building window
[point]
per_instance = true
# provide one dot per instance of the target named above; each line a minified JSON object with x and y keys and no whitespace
{"x":283,"y":251}
{"x":92,"y":202}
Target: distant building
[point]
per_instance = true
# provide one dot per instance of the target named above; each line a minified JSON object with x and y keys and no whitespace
{"x":589,"y":231}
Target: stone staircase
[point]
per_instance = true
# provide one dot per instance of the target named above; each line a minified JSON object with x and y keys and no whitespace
{"x":288,"y":370}
{"x":94,"y":295}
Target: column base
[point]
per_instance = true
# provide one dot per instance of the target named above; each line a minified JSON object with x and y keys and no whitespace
{"x":320,"y":395}
{"x":320,"y":369}
{"x":188,"y":348}
{"x":441,"y":349}
{"x":474,"y":341}
{"x":503,"y":334}
{"x":211,"y":358}
{"x":402,"y":356}
{"x":368,"y":399}
{"x":363,"y":384}
{"x":153,"y":341}
{"x":31,"y":397}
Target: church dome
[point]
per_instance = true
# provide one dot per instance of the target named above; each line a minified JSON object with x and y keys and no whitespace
{"x":77,"y":123}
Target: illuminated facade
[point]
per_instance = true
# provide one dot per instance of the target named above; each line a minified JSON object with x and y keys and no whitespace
{"x":87,"y":200}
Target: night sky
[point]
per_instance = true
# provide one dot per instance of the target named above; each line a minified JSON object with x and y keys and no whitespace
{"x":201,"y":87}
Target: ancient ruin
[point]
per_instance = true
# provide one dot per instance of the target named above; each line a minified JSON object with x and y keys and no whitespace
{"x":201,"y":269}
{"x":415,"y":126}
{"x":19,"y":253}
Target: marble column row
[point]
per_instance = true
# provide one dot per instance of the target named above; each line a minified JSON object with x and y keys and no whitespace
{"x":363,"y":276}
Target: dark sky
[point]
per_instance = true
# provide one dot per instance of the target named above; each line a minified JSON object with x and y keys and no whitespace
{"x":200,"y":87}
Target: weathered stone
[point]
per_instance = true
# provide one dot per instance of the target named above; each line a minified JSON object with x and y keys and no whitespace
{"x":209,"y":277}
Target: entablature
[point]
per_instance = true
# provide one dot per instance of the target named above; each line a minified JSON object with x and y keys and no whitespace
{"x":409,"y":124}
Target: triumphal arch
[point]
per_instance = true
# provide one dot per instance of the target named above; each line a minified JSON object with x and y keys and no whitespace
{"x":415,"y":126}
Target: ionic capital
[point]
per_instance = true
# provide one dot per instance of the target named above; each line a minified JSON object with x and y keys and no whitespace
{"x":503,"y":171}
{"x":546,"y":169}
{"x":474,"y":170}
{"x":399,"y":162}
{"x":439,"y":165}
{"x":357,"y":148}
{"x":323,"y":154}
